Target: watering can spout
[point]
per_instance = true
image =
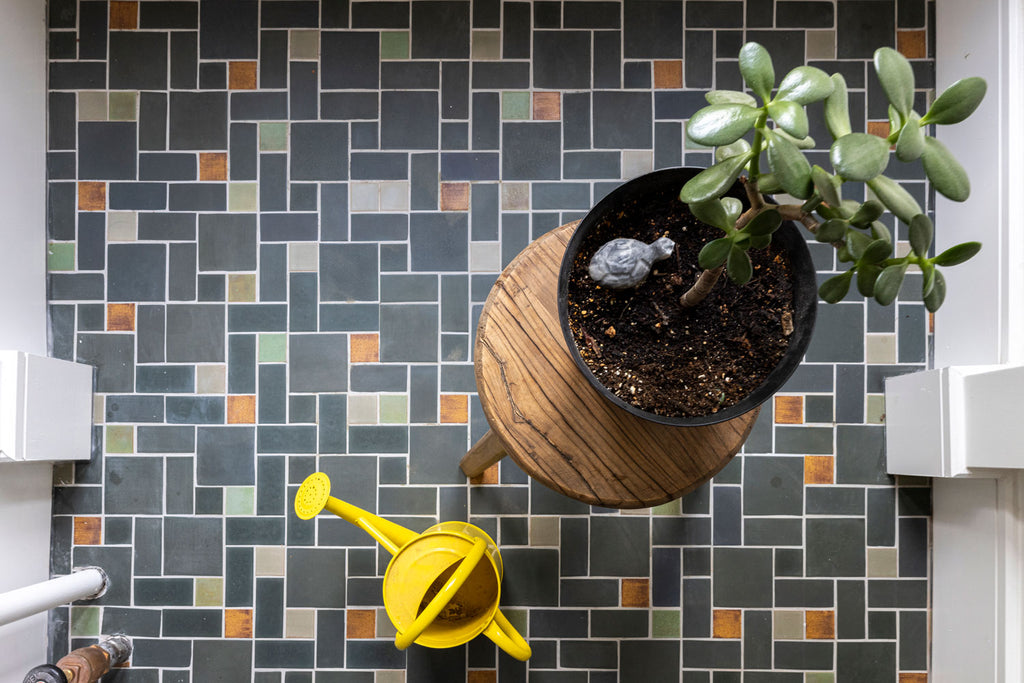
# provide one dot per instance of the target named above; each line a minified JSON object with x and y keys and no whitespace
{"x":441,"y":587}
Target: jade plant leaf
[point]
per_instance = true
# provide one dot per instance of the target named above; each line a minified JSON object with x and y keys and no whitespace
{"x":799,"y":143}
{"x":805,"y":84}
{"x":831,"y":230}
{"x":712,"y":212}
{"x":789,"y":165}
{"x":764,"y":223}
{"x":723,"y":152}
{"x":757,"y":70}
{"x":933,"y":300}
{"x":897,"y":79}
{"x":714,"y":181}
{"x":879,"y":231}
{"x":721,"y":124}
{"x":956,"y":102}
{"x":837,"y":109}
{"x":876,"y":252}
{"x":859,"y":156}
{"x":929,"y":272}
{"x":888,"y":284}
{"x":835,"y":288}
{"x":714,"y":253}
{"x":956,"y":255}
{"x":895,"y":198}
{"x":738,"y":266}
{"x":733,"y":207}
{"x":868,"y":213}
{"x":768,"y":183}
{"x":921,"y":232}
{"x":729,"y":97}
{"x":947,"y":175}
{"x":910,"y":143}
{"x":866,"y":277}
{"x":791,"y":117}
{"x":826,"y":185}
{"x":857,"y":243}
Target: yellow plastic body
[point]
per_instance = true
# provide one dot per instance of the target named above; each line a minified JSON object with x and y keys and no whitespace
{"x":438,"y":589}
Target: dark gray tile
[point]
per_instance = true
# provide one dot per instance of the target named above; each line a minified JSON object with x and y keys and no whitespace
{"x":531,"y":151}
{"x":409,"y":120}
{"x":195,"y":333}
{"x":653,"y":30}
{"x":835,"y":547}
{"x":227,"y":242}
{"x":650,"y":660}
{"x":313,"y":578}
{"x":804,"y":593}
{"x":107,"y":150}
{"x":727,"y":519}
{"x":198,"y":120}
{"x":113,"y":356}
{"x":224,"y":456}
{"x":193,"y":546}
{"x":743,"y":577}
{"x":408,"y":333}
{"x":221,"y":659}
{"x":619,"y":546}
{"x":531,"y":577}
{"x":348,"y":272}
{"x":773,"y":485}
{"x":562,"y":59}
{"x":865,"y":661}
{"x":440,"y":30}
{"x":622,"y":119}
{"x":318,"y":362}
{"x":137,"y":60}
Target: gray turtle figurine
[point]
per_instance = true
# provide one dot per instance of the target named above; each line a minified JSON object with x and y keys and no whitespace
{"x":625,"y":262}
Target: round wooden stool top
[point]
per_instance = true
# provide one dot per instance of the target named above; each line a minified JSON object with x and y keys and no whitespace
{"x":555,"y":425}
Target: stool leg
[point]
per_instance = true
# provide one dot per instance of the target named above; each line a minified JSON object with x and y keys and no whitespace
{"x":487,"y":451}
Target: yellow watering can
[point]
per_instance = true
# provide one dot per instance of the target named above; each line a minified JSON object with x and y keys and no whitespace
{"x":438,"y":590}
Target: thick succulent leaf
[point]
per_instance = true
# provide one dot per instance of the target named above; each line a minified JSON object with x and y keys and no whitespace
{"x":826,"y":184}
{"x":895,"y":198}
{"x":714,"y":253}
{"x":713,"y":213}
{"x":957,"y":254}
{"x":790,"y":166}
{"x":888,"y":284}
{"x":947,"y":175}
{"x":933,"y":301}
{"x":831,"y":230}
{"x":723,"y":152}
{"x":857,"y":243}
{"x":790,"y":117}
{"x":859,"y":156}
{"x":835,"y":288}
{"x":738,"y":266}
{"x":928,"y":281}
{"x":837,"y":109}
{"x":729,"y":97}
{"x":957,"y":102}
{"x":866,"y":277}
{"x":910,"y":143}
{"x":764,"y":223}
{"x":768,"y":183}
{"x":828,"y":212}
{"x":921,"y":232}
{"x":760,"y":241}
{"x":721,"y":124}
{"x":897,"y":78}
{"x":895,"y":123}
{"x":757,"y":70}
{"x":879,"y":231}
{"x":848,"y":208}
{"x":806,"y":142}
{"x":805,"y":84}
{"x":867,"y":213}
{"x":714,"y":181}
{"x":733,"y":207}
{"x":876,"y":252}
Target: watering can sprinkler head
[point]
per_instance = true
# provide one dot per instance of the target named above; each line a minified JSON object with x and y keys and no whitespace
{"x":313,"y":496}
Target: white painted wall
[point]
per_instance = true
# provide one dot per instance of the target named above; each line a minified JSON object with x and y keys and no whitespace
{"x":25,"y":491}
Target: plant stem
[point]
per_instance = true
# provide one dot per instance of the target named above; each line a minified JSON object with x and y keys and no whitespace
{"x":701,"y":288}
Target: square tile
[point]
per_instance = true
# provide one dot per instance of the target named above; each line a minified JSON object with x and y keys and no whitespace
{"x":727,"y":623}
{"x":272,"y":348}
{"x":454,"y":408}
{"x":636,"y":593}
{"x":883,"y":562}
{"x":819,"y":469}
{"x":211,"y":379}
{"x":820,"y":624}
{"x":300,"y":623}
{"x":364,"y":196}
{"x":515,"y":106}
{"x":394,"y":45}
{"x":303,"y":257}
{"x":454,"y":196}
{"x":486,"y":45}
{"x":122,"y":226}
{"x":238,"y":623}
{"x":123,"y":106}
{"x":92,"y":196}
{"x":269,"y":560}
{"x":788,"y":625}
{"x":92,"y":106}
{"x":304,"y":44}
{"x":273,"y":136}
{"x":362,"y":409}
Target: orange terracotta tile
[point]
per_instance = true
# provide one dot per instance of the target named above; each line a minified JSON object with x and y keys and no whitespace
{"x":455,"y":196}
{"x":636,"y":592}
{"x":238,"y":623}
{"x":913,"y":677}
{"x":820,"y":624}
{"x":241,"y":409}
{"x":488,"y":476}
{"x":454,"y":408}
{"x":88,"y":531}
{"x":547,"y":106}
{"x":360,"y":623}
{"x":728,"y":623}
{"x":213,"y":166}
{"x":482,"y":676}
{"x":879,"y":128}
{"x":92,"y":196}
{"x":668,"y":73}
{"x":789,"y":410}
{"x":124,"y":15}
{"x":120,"y":317}
{"x":364,"y":348}
{"x":241,"y":75}
{"x":912,"y":44}
{"x":818,"y":469}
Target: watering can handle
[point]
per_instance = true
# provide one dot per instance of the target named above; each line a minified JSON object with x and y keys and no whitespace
{"x":444,"y":596}
{"x":507,"y":638}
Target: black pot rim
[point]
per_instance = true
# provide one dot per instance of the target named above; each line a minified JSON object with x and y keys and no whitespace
{"x":805,"y":297}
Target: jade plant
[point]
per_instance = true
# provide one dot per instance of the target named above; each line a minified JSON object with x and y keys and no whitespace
{"x":773,"y":160}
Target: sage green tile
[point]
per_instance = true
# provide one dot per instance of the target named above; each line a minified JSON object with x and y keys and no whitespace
{"x":385,"y":629}
{"x":515,"y":105}
{"x":393,"y":676}
{"x":122,"y":106}
{"x":119,"y":439}
{"x":60,"y":256}
{"x":665,"y":623}
{"x":239,"y":500}
{"x":673,"y":508}
{"x":819,"y":677}
{"x":486,"y":45}
{"x":273,"y":348}
{"x":821,"y":45}
{"x":363,"y":409}
{"x":92,"y":106}
{"x":85,"y":621}
{"x":394,"y":409}
{"x":242,"y":196}
{"x":544,"y":531}
{"x":305,"y":44}
{"x":394,"y":45}
{"x":273,"y":136}
{"x":518,"y":618}
{"x":875,"y":409}
{"x":789,"y":625}
{"x":209,"y":592}
{"x":883,"y":563}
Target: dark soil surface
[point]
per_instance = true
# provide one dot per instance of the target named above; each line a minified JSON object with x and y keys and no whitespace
{"x":652,"y":353}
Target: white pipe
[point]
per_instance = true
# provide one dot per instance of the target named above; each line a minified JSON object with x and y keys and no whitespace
{"x":89,"y":582}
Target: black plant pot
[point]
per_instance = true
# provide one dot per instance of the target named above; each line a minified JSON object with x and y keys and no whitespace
{"x":789,"y":237}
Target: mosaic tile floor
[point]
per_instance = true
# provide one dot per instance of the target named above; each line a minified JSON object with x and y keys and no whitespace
{"x":272,"y":228}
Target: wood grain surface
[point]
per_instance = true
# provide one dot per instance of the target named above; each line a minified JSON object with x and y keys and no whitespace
{"x":555,"y":425}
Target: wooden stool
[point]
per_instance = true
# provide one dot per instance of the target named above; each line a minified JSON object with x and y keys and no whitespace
{"x":545,"y":414}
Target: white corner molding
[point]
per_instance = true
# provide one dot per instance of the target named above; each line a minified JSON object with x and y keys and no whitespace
{"x":45,"y":408}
